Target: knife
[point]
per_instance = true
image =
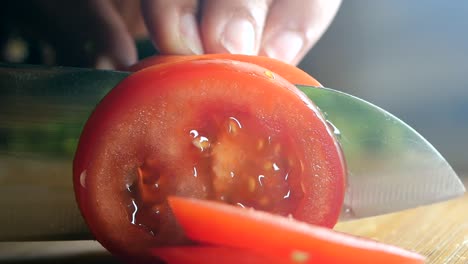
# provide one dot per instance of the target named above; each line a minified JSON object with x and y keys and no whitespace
{"x":43,"y":109}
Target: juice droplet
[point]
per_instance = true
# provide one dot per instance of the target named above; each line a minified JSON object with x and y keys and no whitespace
{"x":193,"y":133}
{"x":129,"y":187}
{"x":156,"y":209}
{"x":334,"y":129}
{"x":83,"y":179}
{"x":275,"y":167}
{"x":135,"y":210}
{"x":347,"y":212}
{"x":260,"y":179}
{"x":234,"y":125}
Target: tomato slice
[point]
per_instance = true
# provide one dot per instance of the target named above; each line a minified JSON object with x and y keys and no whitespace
{"x":287,"y":71}
{"x":210,"y":129}
{"x":274,"y":236}
{"x":213,"y":255}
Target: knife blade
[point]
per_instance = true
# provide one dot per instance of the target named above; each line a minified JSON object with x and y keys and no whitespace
{"x":391,"y":167}
{"x":42,"y":110}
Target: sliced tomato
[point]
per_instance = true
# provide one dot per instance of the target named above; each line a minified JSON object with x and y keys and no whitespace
{"x":213,"y":255}
{"x":287,"y":71}
{"x":211,"y":129}
{"x":229,"y":226}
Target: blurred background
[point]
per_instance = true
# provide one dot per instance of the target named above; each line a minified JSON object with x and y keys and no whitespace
{"x":408,"y":57}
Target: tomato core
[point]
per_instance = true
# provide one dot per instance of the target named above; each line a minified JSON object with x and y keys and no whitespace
{"x":234,"y":159}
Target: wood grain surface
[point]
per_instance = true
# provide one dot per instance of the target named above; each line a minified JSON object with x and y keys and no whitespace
{"x":439,"y":231}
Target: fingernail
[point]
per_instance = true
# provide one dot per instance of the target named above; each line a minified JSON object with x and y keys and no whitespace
{"x":104,"y":63}
{"x":285,"y":46}
{"x":189,"y":33}
{"x":238,"y":37}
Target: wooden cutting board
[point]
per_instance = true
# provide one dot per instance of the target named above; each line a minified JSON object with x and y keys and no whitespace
{"x":439,"y":232}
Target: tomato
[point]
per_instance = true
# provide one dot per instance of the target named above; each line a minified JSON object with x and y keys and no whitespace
{"x":211,"y":129}
{"x":287,"y":71}
{"x":277,"y":237}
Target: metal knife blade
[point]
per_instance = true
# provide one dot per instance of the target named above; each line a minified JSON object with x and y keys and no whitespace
{"x":42,"y":110}
{"x":391,"y":167}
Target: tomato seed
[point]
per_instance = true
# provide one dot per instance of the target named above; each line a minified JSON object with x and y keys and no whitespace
{"x":251,"y":184}
{"x":268,"y":165}
{"x":298,"y":256}
{"x":260,"y":144}
{"x":234,"y":125}
{"x":277,"y":149}
{"x":270,"y":74}
{"x":264,"y":201}
{"x":202,"y":143}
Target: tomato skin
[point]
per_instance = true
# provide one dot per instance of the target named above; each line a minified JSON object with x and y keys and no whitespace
{"x":110,"y":140}
{"x":289,"y":72}
{"x":278,"y":237}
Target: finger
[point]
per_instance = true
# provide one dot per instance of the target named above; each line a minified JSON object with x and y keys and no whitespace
{"x":294,"y":26}
{"x":130,"y":11}
{"x":86,"y":33}
{"x":172,"y":25}
{"x":233,"y":26}
{"x":115,"y":42}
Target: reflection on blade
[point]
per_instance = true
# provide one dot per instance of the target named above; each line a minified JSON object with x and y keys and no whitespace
{"x":390,"y":166}
{"x":42,"y":111}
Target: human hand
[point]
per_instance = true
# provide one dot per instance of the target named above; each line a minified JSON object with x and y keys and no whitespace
{"x":282,"y":29}
{"x":101,"y":33}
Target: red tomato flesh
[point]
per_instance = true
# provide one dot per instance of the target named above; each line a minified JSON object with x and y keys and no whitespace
{"x":211,"y":129}
{"x":286,"y":239}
